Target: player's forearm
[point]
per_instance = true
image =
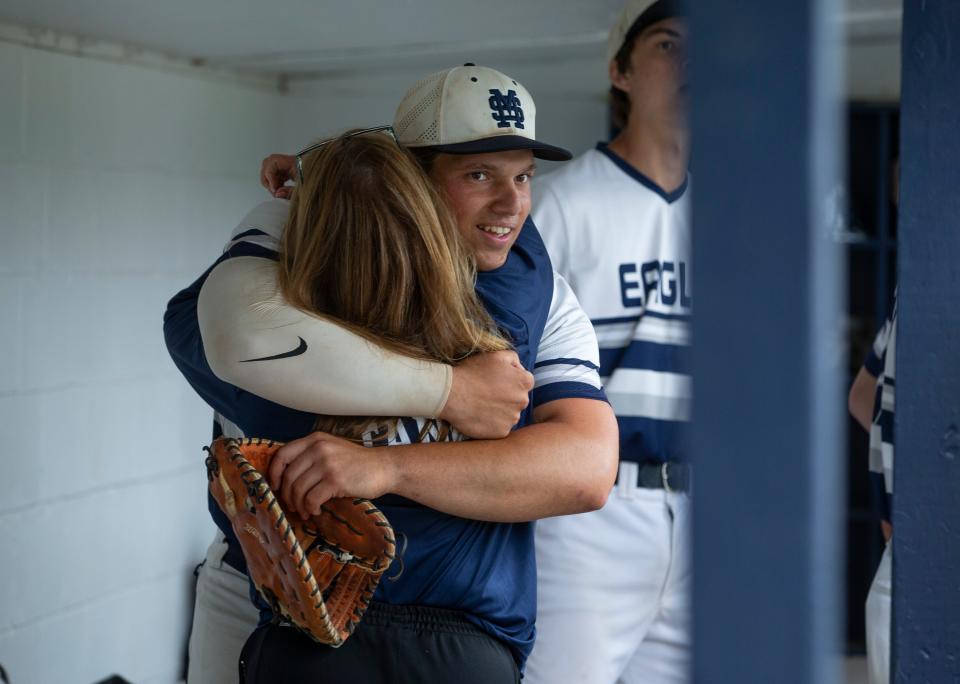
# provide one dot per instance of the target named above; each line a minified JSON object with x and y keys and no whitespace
{"x":256,"y":341}
{"x":564,"y":464}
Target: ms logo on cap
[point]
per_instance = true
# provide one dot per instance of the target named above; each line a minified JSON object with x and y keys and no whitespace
{"x":506,"y":108}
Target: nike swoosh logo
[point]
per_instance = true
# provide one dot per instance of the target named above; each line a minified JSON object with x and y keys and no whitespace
{"x":293,"y":352}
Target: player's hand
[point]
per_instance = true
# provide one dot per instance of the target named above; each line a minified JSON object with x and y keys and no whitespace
{"x":275,"y":171}
{"x":487,"y":395}
{"x":308,"y":471}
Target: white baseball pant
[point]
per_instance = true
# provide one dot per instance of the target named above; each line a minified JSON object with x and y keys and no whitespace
{"x":223,"y":618}
{"x":878,"y":620}
{"x":614,"y":591}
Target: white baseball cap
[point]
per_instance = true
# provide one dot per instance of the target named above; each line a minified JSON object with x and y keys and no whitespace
{"x":635,"y":17}
{"x":471,"y":109}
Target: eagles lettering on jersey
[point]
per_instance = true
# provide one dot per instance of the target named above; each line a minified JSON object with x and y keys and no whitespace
{"x":654,"y":282}
{"x":624,"y":245}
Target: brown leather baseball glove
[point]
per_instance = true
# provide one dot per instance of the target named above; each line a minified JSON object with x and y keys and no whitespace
{"x":320,"y":574}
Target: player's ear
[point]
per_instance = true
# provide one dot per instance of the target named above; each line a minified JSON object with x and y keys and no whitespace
{"x":617,"y":78}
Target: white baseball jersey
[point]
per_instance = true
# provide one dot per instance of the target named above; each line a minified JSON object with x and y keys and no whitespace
{"x":624,"y":246}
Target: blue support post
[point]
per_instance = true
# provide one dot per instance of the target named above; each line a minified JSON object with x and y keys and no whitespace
{"x":768,"y":365}
{"x":926,"y":513}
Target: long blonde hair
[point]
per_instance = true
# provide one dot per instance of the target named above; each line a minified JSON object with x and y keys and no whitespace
{"x":370,"y":243}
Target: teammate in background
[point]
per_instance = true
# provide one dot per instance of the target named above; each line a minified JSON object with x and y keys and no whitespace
{"x":616,"y":222}
{"x":871,"y":403}
{"x":479,"y":154}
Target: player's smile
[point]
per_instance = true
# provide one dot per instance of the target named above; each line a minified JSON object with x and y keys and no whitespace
{"x":497,"y":233}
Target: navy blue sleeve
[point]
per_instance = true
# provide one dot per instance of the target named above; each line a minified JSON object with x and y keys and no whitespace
{"x":873,"y":364}
{"x":255,"y":416}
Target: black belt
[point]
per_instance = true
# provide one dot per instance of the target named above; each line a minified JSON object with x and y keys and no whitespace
{"x":669,"y":475}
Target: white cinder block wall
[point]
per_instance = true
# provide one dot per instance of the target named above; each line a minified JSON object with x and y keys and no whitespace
{"x":118,"y":185}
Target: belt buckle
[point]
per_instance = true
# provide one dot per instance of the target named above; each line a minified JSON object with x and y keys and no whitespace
{"x":665,"y":478}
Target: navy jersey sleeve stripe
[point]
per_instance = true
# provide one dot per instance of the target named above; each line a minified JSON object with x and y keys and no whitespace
{"x":253,"y":232}
{"x":566,"y":390}
{"x":250,"y":249}
{"x":873,"y":364}
{"x":567,"y":361}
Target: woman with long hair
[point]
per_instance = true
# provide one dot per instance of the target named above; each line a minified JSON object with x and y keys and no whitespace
{"x":369,"y":244}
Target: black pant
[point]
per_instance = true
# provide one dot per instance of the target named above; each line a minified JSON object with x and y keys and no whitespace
{"x":392,"y":645}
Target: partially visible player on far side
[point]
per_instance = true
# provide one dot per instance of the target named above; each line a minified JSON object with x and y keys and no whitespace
{"x":616,"y":222}
{"x":872,"y":404}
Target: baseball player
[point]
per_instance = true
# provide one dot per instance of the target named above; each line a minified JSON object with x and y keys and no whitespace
{"x":473,"y":130}
{"x":616,"y":222}
{"x":872,"y":403}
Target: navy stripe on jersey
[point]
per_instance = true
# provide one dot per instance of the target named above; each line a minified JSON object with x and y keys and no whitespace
{"x":544,"y":394}
{"x":250,"y":249}
{"x":633,"y":319}
{"x":873,"y":364}
{"x":668,"y":316}
{"x":628,"y":169}
{"x":253,"y":232}
{"x":643,"y":439}
{"x":566,"y":378}
{"x":254,"y":237}
{"x":640,"y":355}
{"x":568,"y":362}
{"x":615,"y":320}
{"x":883,"y":501}
{"x":884,"y":419}
{"x":653,"y":426}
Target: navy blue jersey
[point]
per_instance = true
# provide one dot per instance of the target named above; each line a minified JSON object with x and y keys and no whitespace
{"x":485,"y":569}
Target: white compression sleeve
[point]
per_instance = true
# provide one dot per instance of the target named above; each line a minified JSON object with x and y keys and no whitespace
{"x":255,"y":340}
